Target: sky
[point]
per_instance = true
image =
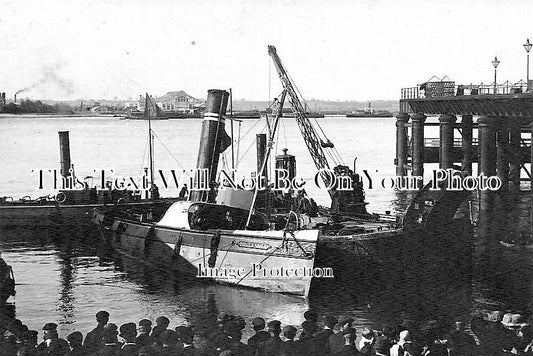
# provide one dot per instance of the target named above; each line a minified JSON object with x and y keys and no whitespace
{"x":333,"y":50}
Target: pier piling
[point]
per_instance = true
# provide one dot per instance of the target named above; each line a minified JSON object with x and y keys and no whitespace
{"x":466,"y":143}
{"x":417,"y":132}
{"x":446,"y":141}
{"x":401,"y":144}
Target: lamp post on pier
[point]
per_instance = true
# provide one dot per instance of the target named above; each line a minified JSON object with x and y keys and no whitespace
{"x":495,"y":63}
{"x":527,"y":47}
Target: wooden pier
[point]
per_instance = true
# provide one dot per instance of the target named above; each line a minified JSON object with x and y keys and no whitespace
{"x":490,"y":125}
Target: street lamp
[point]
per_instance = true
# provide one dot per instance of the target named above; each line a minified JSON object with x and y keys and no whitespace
{"x":527,"y":47}
{"x":495,"y":63}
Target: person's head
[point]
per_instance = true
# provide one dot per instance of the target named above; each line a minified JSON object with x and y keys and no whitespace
{"x":309,"y":327}
{"x":110,"y":332}
{"x":102,"y":317}
{"x":75,"y":339}
{"x":311,"y":315}
{"x":162,"y":321}
{"x":169,"y":338}
{"x":258,"y":324}
{"x":145,"y":326}
{"x":31,"y":337}
{"x":274,"y":327}
{"x":330,"y":321}
{"x":289,"y":332}
{"x":349,"y":338}
{"x":50,"y":331}
{"x":367,"y":333}
{"x":128,"y":332}
{"x":346,"y":323}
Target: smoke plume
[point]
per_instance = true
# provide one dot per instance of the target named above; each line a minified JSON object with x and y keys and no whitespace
{"x":51,"y":80}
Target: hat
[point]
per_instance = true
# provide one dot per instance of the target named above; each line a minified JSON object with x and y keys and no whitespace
{"x":76,"y":337}
{"x":50,"y":326}
{"x":349,"y":330}
{"x":145,"y":322}
{"x":128,"y":329}
{"x":258,"y":323}
{"x":345,"y":321}
{"x":274,"y":325}
{"x":102,"y":314}
{"x":162,"y":320}
{"x":311,"y":315}
{"x":513,"y":320}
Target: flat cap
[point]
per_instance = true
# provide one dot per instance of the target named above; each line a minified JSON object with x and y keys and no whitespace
{"x":128,"y":328}
{"x":50,"y":326}
{"x":274,"y":325}
{"x":102,"y":314}
{"x":145,"y":322}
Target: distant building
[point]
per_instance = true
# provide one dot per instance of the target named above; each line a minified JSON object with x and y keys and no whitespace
{"x":175,"y":101}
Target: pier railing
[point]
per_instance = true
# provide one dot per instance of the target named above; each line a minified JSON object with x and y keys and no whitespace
{"x":448,"y":89}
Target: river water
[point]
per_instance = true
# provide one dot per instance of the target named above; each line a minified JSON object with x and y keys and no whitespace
{"x":66,"y":279}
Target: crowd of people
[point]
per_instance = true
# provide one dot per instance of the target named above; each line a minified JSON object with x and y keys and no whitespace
{"x":496,"y":334}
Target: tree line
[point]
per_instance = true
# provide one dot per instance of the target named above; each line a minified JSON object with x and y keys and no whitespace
{"x":36,"y":107}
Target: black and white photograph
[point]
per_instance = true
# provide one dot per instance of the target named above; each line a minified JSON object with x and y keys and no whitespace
{"x":266,"y":178}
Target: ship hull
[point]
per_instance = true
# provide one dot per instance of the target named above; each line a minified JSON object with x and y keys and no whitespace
{"x":271,"y":261}
{"x":64,"y":216}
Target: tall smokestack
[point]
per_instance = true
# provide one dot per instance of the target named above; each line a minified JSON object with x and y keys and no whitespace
{"x":15,"y":98}
{"x":214,"y":140}
{"x":64,"y":153}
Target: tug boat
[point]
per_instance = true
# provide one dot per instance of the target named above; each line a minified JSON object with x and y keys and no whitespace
{"x":286,"y":242}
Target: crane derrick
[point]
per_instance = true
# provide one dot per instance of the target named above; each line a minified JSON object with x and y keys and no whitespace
{"x":346,"y":201}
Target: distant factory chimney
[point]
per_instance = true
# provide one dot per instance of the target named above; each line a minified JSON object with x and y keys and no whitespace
{"x":15,"y":98}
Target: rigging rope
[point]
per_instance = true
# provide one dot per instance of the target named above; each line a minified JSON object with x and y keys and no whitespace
{"x":170,"y":153}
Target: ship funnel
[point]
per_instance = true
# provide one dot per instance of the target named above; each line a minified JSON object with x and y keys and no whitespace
{"x":64,"y":153}
{"x":213,"y":141}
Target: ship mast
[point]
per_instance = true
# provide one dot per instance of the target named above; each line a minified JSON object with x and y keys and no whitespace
{"x":148,"y":111}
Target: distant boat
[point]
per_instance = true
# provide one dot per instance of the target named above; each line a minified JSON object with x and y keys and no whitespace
{"x":369,"y":112}
{"x":252,"y":114}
